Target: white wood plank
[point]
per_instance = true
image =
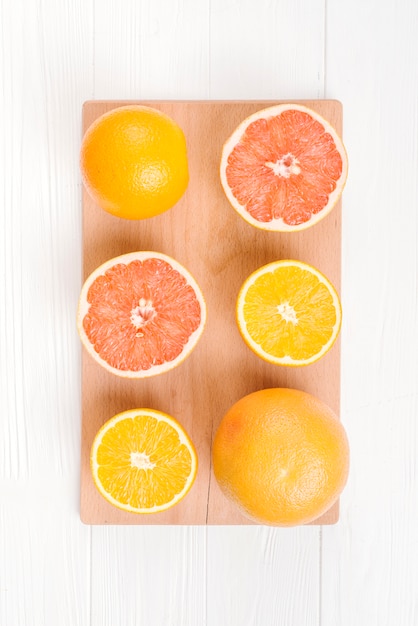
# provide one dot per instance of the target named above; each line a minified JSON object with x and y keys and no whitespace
{"x":151,"y":50}
{"x":369,"y":561}
{"x":45,"y":61}
{"x":45,"y":83}
{"x":379,"y":215}
{"x":45,"y":555}
{"x":149,"y":575}
{"x":13,"y":459}
{"x":266,"y":49}
{"x":263,"y":576}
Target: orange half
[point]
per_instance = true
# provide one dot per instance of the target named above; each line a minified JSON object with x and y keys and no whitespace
{"x":288,"y":313}
{"x":143,"y":461}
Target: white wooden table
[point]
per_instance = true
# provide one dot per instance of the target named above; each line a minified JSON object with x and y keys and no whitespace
{"x":54,"y":571}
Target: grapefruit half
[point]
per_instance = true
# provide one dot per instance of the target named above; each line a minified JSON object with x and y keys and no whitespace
{"x":140,"y":314}
{"x":284,"y":168}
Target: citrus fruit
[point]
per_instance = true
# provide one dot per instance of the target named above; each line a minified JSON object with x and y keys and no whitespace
{"x":281,"y":456}
{"x":288,"y":313}
{"x":143,"y":461}
{"x":140,"y":314}
{"x":134,"y":162}
{"x":283,"y":168}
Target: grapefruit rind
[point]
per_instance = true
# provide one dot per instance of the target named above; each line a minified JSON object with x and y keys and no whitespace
{"x":278,"y":225}
{"x":184,"y":439}
{"x":230,"y":450}
{"x":254,"y":346}
{"x":155,"y":370}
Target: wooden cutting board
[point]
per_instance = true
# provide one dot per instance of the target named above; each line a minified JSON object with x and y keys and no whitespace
{"x":206,"y":235}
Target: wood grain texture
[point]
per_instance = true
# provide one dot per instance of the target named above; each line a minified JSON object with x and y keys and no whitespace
{"x":40,"y":226}
{"x":149,"y":576}
{"x":45,"y":551}
{"x":220,"y":249}
{"x":272,"y":49}
{"x":45,"y":555}
{"x":251,"y":583}
{"x":369,"y":561}
{"x":370,"y":565}
{"x":158,"y":48}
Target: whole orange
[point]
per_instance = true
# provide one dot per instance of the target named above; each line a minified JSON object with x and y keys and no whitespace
{"x":282,"y":456}
{"x":134,"y":162}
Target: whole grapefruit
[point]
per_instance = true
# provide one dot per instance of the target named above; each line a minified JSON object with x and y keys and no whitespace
{"x":281,"y":456}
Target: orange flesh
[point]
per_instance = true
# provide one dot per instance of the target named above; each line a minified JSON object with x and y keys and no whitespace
{"x":307,"y":298}
{"x":170,"y":462}
{"x":284,"y":167}
{"x":141,"y":314}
